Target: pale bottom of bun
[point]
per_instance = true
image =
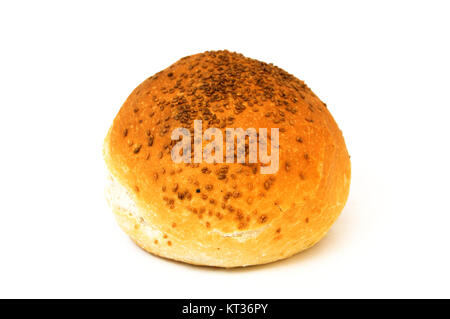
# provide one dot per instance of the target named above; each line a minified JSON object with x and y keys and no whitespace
{"x":147,"y":236}
{"x":238,"y":250}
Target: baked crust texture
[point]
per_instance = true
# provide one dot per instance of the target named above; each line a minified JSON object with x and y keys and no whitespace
{"x":225,"y":215}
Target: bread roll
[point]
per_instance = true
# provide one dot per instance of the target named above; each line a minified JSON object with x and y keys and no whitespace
{"x":225,"y":214}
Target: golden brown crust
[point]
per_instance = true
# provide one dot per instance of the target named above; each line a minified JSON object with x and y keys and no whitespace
{"x":227,"y":214}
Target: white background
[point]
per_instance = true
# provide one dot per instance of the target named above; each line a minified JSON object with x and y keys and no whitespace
{"x":382,"y":67}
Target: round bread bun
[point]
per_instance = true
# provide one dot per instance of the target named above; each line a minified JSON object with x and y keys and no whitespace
{"x":219,"y":214}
